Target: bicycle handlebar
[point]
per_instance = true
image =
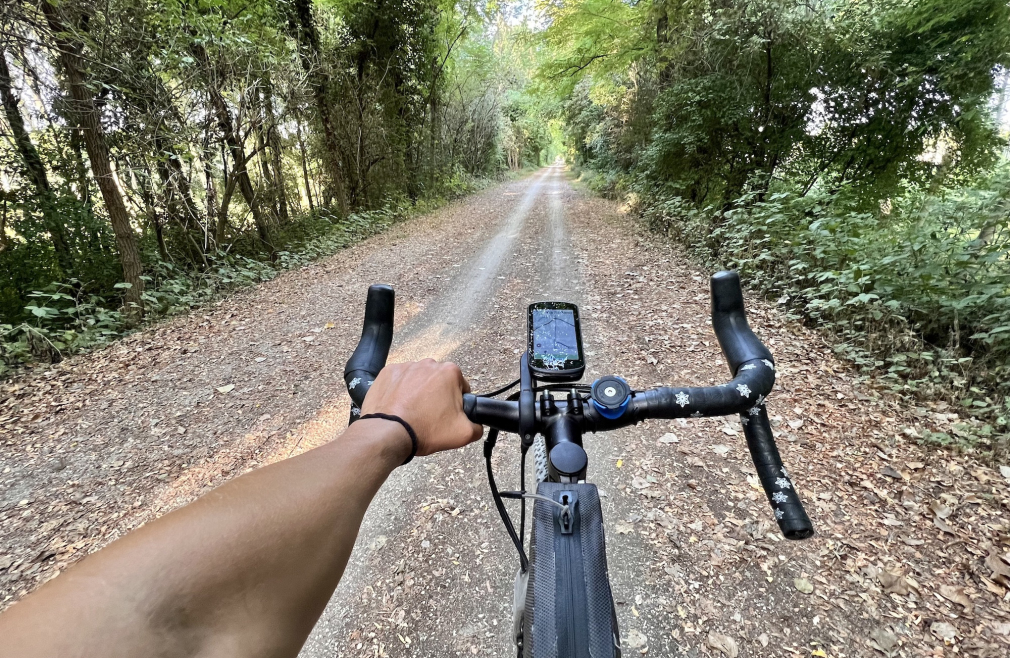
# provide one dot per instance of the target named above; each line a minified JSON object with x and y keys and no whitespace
{"x":751,"y":366}
{"x":373,"y":347}
{"x":729,"y":321}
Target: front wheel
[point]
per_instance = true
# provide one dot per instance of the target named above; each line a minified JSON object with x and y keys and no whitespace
{"x":540,"y":459}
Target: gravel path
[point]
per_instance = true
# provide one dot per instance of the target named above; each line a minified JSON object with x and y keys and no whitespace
{"x":910,"y":559}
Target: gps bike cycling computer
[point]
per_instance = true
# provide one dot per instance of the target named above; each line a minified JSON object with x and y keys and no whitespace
{"x":555,"y":342}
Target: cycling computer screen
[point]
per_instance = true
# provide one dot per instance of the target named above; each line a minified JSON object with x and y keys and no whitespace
{"x":555,"y":341}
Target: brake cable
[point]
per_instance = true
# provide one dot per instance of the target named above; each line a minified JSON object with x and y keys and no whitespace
{"x":499,"y":391}
{"x":489,"y":444}
{"x":515,"y":495}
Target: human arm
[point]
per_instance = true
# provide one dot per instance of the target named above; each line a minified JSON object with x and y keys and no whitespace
{"x":247,"y":569}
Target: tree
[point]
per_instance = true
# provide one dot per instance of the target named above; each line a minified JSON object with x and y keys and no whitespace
{"x":35,"y":169}
{"x":87,"y":116}
{"x":302,"y":24}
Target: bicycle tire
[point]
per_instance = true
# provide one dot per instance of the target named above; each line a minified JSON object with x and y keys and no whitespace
{"x":540,"y":459}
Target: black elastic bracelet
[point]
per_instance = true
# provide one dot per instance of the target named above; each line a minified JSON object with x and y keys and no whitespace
{"x":406,"y":426}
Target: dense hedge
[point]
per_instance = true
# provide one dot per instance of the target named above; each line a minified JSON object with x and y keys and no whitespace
{"x":914,"y":291}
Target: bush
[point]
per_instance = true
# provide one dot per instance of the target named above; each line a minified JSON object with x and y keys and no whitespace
{"x":67,"y":317}
{"x":917,"y":291}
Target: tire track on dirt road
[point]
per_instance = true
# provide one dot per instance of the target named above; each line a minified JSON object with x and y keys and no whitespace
{"x":105,"y":441}
{"x":436,"y":331}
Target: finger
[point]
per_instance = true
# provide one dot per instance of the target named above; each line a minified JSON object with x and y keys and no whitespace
{"x":478,"y":431}
{"x":461,"y":381}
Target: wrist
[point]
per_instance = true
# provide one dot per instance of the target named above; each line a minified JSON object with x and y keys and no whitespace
{"x":393,"y":418}
{"x":394,"y":439}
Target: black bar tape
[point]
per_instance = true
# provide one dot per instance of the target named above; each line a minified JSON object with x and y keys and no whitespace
{"x":370,"y":355}
{"x":792,"y":519}
{"x":729,"y":322}
{"x":753,"y":381}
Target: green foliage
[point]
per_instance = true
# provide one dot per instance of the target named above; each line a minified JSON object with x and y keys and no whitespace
{"x":842,"y":155}
{"x":917,"y":293}
{"x":710,"y":100}
{"x":245,"y":136}
{"x":602,"y":37}
{"x":64,"y":318}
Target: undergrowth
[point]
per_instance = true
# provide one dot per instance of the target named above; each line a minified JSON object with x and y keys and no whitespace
{"x":914,"y":293}
{"x":71,"y":316}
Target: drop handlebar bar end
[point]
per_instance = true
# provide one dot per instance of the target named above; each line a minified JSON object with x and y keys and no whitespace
{"x":370,"y":355}
{"x":774,"y":478}
{"x":737,"y":340}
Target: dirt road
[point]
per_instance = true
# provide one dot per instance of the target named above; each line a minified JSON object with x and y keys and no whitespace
{"x":910,"y":556}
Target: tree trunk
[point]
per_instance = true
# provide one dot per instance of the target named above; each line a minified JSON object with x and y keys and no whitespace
{"x":159,"y":105}
{"x":235,"y":147}
{"x":303,"y":24}
{"x":222,"y":216}
{"x":3,"y":224}
{"x":146,"y":187}
{"x":273,"y":140}
{"x":210,"y":189}
{"x":269,"y":186}
{"x":278,"y":164}
{"x":98,"y":153}
{"x":35,"y":169}
{"x":305,"y":163}
{"x":229,"y":189}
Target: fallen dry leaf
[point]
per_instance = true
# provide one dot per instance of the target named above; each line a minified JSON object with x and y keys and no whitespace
{"x":890,"y":472}
{"x":939,"y":509}
{"x":957,"y":595}
{"x":803,"y":585}
{"x":636,"y":639}
{"x":893,"y":583}
{"x":997,"y":566}
{"x":1001,"y":628}
{"x":883,"y":640}
{"x":943,"y":631}
{"x":943,"y":525}
{"x":723,"y":643}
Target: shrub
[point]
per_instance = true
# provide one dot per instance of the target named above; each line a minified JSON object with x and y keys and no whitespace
{"x":917,"y":291}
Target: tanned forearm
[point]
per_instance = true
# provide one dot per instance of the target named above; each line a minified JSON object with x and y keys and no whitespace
{"x":244,"y":571}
